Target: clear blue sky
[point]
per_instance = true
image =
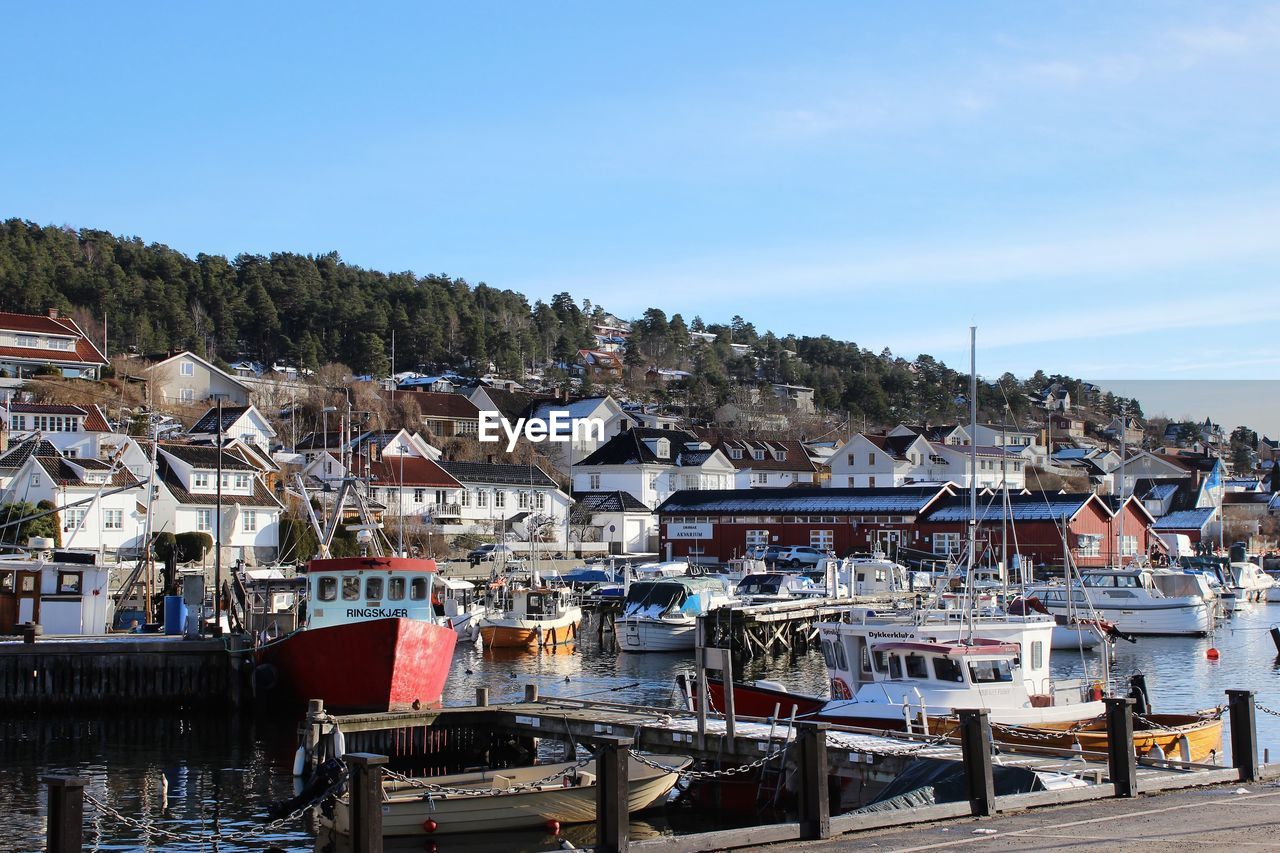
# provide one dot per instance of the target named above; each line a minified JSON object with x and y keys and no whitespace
{"x":1095,"y":184}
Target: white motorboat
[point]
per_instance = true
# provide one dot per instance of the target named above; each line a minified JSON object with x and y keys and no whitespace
{"x":460,"y":607}
{"x":768,"y":587}
{"x":1251,"y":583}
{"x":1138,"y":600}
{"x":662,"y":615}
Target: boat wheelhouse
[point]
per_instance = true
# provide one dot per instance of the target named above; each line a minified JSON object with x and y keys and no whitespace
{"x":537,"y":616}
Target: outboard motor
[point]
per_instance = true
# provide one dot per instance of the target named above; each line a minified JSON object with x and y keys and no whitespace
{"x":1138,"y":692}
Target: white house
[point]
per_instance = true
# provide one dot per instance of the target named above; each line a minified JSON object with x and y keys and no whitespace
{"x":907,"y":458}
{"x":952,"y":434}
{"x":91,"y":518}
{"x":186,"y":378}
{"x":764,"y":463}
{"x":74,"y":430}
{"x":243,"y":422}
{"x":581,"y":443}
{"x":503,"y":498}
{"x":652,"y":464}
{"x":188,"y":493}
{"x":33,"y":342}
{"x":618,"y":519}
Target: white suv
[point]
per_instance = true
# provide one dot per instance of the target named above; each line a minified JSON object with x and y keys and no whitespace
{"x":796,"y":556}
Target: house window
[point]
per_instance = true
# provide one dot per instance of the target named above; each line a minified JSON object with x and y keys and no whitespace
{"x":419,"y":495}
{"x":482,"y":498}
{"x":1090,"y":545}
{"x":468,"y":427}
{"x":26,"y":341}
{"x":871,"y":482}
{"x":204,"y":519}
{"x":946,"y":544}
{"x":522,"y":500}
{"x":59,"y":343}
{"x":188,"y":395}
{"x":593,"y":482}
{"x":541,"y":501}
{"x":72,"y":518}
{"x":871,"y":458}
{"x":249,"y":521}
{"x":499,"y":499}
{"x":757,"y":455}
{"x":671,"y":482}
{"x":761,"y":479}
{"x":1129,"y":546}
{"x":35,"y":479}
{"x":113,"y":519}
{"x":18,"y":422}
{"x":242,"y":481}
{"x":465,"y":498}
{"x":780,"y":455}
{"x":188,"y":369}
{"x":757,"y":538}
{"x":442,"y":497}
{"x":823,"y":540}
{"x":735,"y":453}
{"x":200,"y":480}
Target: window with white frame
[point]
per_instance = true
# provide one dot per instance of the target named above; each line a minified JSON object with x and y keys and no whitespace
{"x":499,"y":499}
{"x":482,"y":498}
{"x":540,"y":501}
{"x":756,"y":538}
{"x":1089,"y":545}
{"x":522,"y":500}
{"x":26,"y":341}
{"x":761,"y":478}
{"x":419,"y":495}
{"x":200,"y":480}
{"x":242,"y":481}
{"x":593,"y":482}
{"x":17,"y":422}
{"x":204,"y":519}
{"x":735,"y":452}
{"x":35,"y":478}
{"x":464,"y":498}
{"x":758,"y":454}
{"x":113,"y":519}
{"x":823,"y":540}
{"x":249,"y":521}
{"x":73,"y":517}
{"x":188,"y":369}
{"x":187,"y":395}
{"x":59,"y":343}
{"x":946,"y":544}
{"x":1129,"y":546}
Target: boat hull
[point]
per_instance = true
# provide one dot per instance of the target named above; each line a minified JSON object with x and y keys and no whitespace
{"x":374,"y":665}
{"x":1154,"y":620}
{"x":655,"y":635}
{"x":405,"y":810}
{"x":1203,"y":737}
{"x":528,"y":634}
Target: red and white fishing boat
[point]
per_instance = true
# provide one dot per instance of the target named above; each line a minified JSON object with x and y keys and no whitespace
{"x":369,"y":637}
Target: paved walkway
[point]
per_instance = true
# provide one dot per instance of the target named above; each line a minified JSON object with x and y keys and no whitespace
{"x":1245,"y":817}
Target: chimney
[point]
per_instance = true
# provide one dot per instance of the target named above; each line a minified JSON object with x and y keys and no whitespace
{"x":53,"y":313}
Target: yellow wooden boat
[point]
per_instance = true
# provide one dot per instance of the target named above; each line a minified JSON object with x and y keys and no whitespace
{"x":1177,"y":737}
{"x":538,"y":617}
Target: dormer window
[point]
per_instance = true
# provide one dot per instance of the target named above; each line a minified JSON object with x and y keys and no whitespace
{"x":780,"y":456}
{"x":663,"y":450}
{"x":200,"y":480}
{"x":735,"y":453}
{"x":757,"y":455}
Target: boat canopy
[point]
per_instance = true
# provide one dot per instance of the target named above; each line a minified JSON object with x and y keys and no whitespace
{"x":654,"y":598}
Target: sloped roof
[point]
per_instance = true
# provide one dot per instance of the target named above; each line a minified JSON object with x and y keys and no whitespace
{"x":904,"y":501}
{"x":94,"y":420}
{"x":1038,"y":506}
{"x":208,"y":422}
{"x":437,"y":404}
{"x":894,"y":445}
{"x":500,"y":474}
{"x":629,"y":448}
{"x":514,"y":405}
{"x":18,"y":454}
{"x":796,"y":456}
{"x":406,"y":471}
{"x":1185,"y":519}
{"x":62,"y":473}
{"x":205,"y":457}
{"x":617,"y":501}
{"x":261,"y":496}
{"x":85,"y":351}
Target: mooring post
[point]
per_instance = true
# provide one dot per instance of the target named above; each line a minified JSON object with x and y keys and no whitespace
{"x":975,"y":750}
{"x":482,"y":696}
{"x":1244,"y":734}
{"x":1122,"y":763}
{"x":315,"y":731}
{"x":531,"y":693}
{"x":65,"y":831}
{"x":815,"y":808}
{"x":612,"y":793}
{"x":365,"y":797}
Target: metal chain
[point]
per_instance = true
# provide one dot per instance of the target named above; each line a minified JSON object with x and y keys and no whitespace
{"x":710,"y":774}
{"x":477,"y":792}
{"x":1264,"y":709}
{"x":149,"y":826}
{"x":1047,"y":736}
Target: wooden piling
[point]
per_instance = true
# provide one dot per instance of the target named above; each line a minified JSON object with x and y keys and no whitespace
{"x":65,"y":831}
{"x":815,"y":807}
{"x":975,"y":751}
{"x":365,"y":798}
{"x":1122,"y":763}
{"x":1244,"y":733}
{"x":612,"y":793}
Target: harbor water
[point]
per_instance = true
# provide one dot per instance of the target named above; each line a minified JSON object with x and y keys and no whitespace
{"x":192,"y":773}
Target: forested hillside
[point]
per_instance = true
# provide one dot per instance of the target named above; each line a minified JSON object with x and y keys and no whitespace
{"x":313,"y":310}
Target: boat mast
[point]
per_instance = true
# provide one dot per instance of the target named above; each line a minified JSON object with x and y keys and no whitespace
{"x":1124,"y":430}
{"x":973,"y":470}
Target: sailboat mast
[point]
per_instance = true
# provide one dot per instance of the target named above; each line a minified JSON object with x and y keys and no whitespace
{"x":973,"y":449}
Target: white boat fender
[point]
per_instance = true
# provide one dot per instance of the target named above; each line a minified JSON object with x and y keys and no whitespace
{"x":339,"y":742}
{"x":299,"y":761}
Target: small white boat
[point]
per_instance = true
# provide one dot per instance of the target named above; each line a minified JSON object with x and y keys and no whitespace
{"x":513,"y":798}
{"x":662,"y":615}
{"x":768,"y":587}
{"x":459,"y":607}
{"x":1251,"y":583}
{"x":1138,"y":601}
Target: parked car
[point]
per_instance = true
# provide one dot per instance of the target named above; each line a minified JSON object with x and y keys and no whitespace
{"x":796,"y":556}
{"x":489,"y":552}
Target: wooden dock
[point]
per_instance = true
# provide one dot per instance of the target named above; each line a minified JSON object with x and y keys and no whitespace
{"x":120,"y":671}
